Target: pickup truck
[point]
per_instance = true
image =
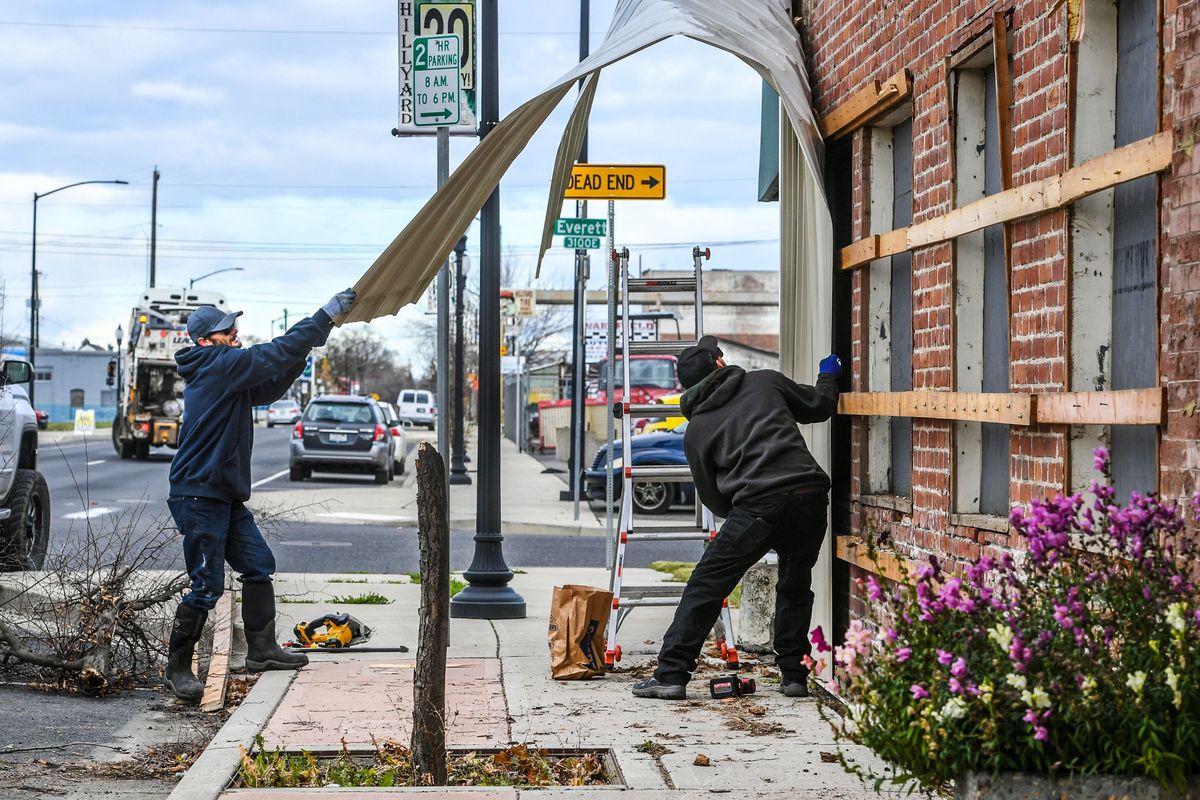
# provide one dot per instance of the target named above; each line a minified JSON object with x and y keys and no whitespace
{"x":25,"y":510}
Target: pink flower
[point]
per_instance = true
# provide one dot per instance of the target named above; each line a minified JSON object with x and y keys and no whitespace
{"x":818,"y":639}
{"x":1100,"y":460}
{"x":1030,"y":716}
{"x":890,"y":635}
{"x":808,"y":663}
{"x":858,"y":637}
{"x":959,"y":668}
{"x":956,"y":687}
{"x":903,"y":653}
{"x":1041,"y":734}
{"x":874,"y":590}
{"x":918,"y":691}
{"x":944,"y":658}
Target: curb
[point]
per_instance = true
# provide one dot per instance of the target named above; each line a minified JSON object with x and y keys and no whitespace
{"x":211,"y":773}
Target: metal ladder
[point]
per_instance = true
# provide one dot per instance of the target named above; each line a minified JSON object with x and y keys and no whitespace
{"x":626,"y":598}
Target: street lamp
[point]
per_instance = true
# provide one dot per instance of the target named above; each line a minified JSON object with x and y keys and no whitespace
{"x":458,"y":470}
{"x":120,"y":334}
{"x":34,"y":301}
{"x":192,"y":282}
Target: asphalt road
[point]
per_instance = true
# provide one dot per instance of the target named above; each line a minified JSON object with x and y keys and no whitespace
{"x":90,"y":484}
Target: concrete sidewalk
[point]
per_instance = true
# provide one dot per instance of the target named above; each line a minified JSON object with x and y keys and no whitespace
{"x":529,"y":499}
{"x":500,"y":693}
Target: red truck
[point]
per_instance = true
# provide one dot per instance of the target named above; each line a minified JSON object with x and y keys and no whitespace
{"x":650,"y":377}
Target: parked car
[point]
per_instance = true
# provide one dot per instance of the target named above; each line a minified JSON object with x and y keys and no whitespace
{"x":396,"y":427}
{"x":43,"y":419}
{"x":650,"y":376}
{"x":652,"y":449}
{"x":656,"y":424}
{"x":25,"y":510}
{"x":417,"y":407}
{"x":283,"y":412}
{"x":342,"y":433}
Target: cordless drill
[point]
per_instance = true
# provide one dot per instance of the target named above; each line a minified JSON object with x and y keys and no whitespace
{"x":731,"y":686}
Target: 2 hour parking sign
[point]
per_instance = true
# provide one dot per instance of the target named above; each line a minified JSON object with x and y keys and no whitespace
{"x":436,"y":77}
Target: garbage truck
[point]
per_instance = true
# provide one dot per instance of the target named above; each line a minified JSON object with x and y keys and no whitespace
{"x":149,"y":389}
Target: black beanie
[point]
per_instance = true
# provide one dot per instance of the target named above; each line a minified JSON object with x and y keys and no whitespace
{"x":698,"y":361}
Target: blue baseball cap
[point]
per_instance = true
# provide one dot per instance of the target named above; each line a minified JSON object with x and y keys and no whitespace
{"x":209,"y":319}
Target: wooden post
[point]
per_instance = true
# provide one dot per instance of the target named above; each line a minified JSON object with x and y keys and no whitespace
{"x":429,"y":678}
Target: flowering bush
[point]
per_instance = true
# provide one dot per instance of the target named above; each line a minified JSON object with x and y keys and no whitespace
{"x":1082,"y":657}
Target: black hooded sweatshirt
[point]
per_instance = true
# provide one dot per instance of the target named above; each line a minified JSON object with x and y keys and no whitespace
{"x":742,"y":443}
{"x":223,"y":385}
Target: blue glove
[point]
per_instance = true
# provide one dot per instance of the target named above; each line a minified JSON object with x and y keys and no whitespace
{"x":831,"y":365}
{"x":340,"y":303}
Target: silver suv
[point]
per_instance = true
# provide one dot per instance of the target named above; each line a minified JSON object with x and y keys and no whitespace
{"x":25,"y":512}
{"x":342,"y":433}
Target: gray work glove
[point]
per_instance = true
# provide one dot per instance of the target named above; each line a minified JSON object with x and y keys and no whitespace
{"x":340,"y":303}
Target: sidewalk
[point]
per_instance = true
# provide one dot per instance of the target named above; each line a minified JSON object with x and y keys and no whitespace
{"x":500,"y":693}
{"x":529,"y":499}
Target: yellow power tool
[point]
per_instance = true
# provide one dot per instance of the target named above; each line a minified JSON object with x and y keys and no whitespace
{"x":332,"y":630}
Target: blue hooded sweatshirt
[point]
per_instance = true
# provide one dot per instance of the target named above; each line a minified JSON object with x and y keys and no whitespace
{"x":222,"y":385}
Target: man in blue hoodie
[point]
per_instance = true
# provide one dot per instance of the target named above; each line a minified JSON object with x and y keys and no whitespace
{"x":210,"y":479}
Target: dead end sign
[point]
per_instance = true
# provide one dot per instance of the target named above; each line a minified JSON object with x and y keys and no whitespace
{"x":617,"y":182}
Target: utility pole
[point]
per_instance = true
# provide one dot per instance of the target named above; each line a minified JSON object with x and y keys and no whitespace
{"x":488,"y":595}
{"x":579,"y":347}
{"x":153,"y":226}
{"x":458,"y":469}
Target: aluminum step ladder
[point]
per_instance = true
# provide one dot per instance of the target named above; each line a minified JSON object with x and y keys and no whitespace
{"x":630,"y":531}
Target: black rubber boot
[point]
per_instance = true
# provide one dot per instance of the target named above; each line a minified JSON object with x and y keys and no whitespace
{"x":189,"y":623}
{"x":258,"y":613}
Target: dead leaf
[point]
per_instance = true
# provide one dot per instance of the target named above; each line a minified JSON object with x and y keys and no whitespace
{"x":829,"y":758}
{"x":702,"y":760}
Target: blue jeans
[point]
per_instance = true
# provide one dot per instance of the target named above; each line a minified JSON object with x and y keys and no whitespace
{"x":214,"y":532}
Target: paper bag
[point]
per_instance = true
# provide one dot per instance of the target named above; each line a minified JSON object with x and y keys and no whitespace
{"x":578,"y":618}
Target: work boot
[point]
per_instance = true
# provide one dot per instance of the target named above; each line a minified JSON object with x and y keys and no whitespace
{"x":262,"y":649}
{"x":189,"y":623}
{"x":659,"y":691}
{"x":793,"y":688}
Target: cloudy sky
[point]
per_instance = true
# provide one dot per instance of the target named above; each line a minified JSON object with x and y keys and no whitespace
{"x":270,"y":123}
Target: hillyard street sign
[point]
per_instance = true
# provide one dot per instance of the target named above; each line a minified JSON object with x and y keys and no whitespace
{"x":617,"y":182}
{"x":581,"y":234}
{"x":435,"y":81}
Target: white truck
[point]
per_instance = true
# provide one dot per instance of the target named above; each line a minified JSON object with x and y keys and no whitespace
{"x":149,"y":389}
{"x":25,"y":511}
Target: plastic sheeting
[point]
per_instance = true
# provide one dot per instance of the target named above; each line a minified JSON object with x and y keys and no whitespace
{"x":759,"y":32}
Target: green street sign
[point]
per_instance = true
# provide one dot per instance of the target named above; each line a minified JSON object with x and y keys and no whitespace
{"x":573,"y":226}
{"x":582,"y":242}
{"x":436,"y":81}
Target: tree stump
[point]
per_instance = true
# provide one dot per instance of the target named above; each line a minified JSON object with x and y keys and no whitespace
{"x":429,"y":678}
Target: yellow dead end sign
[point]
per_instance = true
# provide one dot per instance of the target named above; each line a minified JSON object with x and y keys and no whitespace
{"x":617,"y":182}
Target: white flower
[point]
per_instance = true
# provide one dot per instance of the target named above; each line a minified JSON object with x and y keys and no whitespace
{"x":1037,"y":699}
{"x":1088,"y":686}
{"x":986,"y":689}
{"x":955,"y":708}
{"x":1001,"y":635}
{"x":1136,"y":681}
{"x":1172,"y":679}
{"x":1174,"y":616}
{"x":1015,"y":680}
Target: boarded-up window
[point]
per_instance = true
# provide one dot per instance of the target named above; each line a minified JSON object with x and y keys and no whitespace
{"x":901,"y":307}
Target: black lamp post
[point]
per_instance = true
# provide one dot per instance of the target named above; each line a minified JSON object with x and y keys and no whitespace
{"x":192,"y":282}
{"x":458,"y":469}
{"x":34,"y":300}
{"x":488,"y":595}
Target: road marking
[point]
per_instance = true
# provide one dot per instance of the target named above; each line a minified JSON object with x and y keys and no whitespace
{"x":268,"y":479}
{"x":91,"y":513}
{"x":362,"y":516}
{"x":317,"y":544}
{"x":97,"y":461}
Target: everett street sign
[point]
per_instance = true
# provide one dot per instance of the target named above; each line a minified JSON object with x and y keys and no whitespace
{"x":617,"y":182}
{"x":574,"y":226}
{"x":435,"y":81}
{"x":582,"y":242}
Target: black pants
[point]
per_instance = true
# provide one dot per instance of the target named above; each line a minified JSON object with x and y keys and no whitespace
{"x":793,"y":525}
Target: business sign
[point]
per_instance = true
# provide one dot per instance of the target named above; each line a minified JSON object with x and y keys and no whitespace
{"x":617,"y":182}
{"x":526,"y":302}
{"x":85,"y":420}
{"x":435,"y":81}
{"x":575,"y":226}
{"x":436,"y":19}
{"x":596,"y":336}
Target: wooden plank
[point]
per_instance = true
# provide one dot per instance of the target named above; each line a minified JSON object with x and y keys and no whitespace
{"x":1001,"y":407}
{"x":863,"y":250}
{"x":885,"y":563}
{"x":218,"y":664}
{"x":1124,"y":407}
{"x":1144,"y":157}
{"x":866,"y":105}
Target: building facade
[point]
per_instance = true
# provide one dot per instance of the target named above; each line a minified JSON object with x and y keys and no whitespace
{"x":75,"y":379}
{"x":1015,"y":281}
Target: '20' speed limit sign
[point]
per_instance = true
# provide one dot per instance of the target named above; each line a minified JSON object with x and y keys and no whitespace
{"x":452,"y":19}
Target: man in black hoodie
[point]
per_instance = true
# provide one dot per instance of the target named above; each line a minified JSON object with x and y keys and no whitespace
{"x":751,"y":466}
{"x":210,"y":479}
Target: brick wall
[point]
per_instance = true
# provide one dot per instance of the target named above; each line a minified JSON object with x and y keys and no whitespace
{"x":850,"y":44}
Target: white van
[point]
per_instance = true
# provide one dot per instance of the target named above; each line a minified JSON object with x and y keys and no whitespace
{"x":417,"y":407}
